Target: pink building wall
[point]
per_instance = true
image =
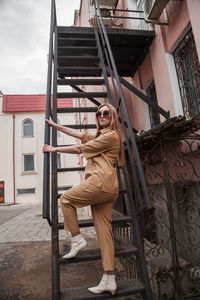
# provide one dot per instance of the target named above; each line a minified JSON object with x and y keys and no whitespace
{"x":159,"y":63}
{"x":178,"y":19}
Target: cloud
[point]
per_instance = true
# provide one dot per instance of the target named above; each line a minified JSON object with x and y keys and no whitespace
{"x":24,"y":33}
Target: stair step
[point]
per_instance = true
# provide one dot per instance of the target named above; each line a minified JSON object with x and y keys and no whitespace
{"x":81,"y":61}
{"x":73,"y":32}
{"x":77,"y":109}
{"x":76,"y":51}
{"x":73,"y":169}
{"x":124,"y":288}
{"x":95,"y":254}
{"x":82,"y":95}
{"x":81,"y":81}
{"x":67,"y":41}
{"x":123,"y":191}
{"x":66,"y":145}
{"x":64,"y":188}
{"x":79,"y":71}
{"x":116,"y":219}
{"x":82,"y":126}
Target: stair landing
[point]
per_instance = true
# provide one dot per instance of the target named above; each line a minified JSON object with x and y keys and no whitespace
{"x":129,"y":46}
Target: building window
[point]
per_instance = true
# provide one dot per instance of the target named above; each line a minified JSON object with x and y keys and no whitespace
{"x":29,"y":163}
{"x":153,"y":114}
{"x":25,"y":191}
{"x":28,"y":128}
{"x":188,"y":73}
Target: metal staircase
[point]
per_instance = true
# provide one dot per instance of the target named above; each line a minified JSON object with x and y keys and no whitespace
{"x":77,"y":57}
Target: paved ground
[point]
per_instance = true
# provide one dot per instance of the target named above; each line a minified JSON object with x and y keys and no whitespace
{"x":25,"y":255}
{"x":21,"y":223}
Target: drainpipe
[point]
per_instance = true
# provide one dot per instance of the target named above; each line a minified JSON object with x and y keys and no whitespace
{"x":14,"y":158}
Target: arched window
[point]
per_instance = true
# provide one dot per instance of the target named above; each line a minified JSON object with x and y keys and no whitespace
{"x":28,"y":128}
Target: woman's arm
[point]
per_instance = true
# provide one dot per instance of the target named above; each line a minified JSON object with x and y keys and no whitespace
{"x":76,"y":149}
{"x":66,"y":130}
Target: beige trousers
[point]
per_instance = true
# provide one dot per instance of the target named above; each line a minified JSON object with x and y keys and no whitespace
{"x":101,"y":206}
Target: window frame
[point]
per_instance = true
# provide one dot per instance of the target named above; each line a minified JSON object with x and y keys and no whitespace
{"x":152,"y":111}
{"x":25,"y":189}
{"x":23,"y":160}
{"x":188,"y":84}
{"x":23,"y":123}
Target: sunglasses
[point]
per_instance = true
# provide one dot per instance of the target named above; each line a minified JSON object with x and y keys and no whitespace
{"x":105,"y":114}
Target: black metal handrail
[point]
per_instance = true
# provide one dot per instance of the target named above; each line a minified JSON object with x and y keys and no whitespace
{"x":46,"y":166}
{"x":135,"y":165}
{"x":131,"y":142}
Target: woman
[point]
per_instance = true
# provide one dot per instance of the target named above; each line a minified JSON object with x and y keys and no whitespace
{"x":100,"y":188}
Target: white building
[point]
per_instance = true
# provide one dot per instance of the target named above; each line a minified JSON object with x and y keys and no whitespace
{"x":22,"y":138}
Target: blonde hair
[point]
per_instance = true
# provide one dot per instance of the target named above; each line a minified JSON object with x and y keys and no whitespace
{"x":114,"y":125}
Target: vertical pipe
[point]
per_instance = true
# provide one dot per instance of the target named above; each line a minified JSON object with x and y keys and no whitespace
{"x":14,"y":197}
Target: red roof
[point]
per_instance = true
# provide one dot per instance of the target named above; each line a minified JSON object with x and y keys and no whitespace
{"x":21,"y":103}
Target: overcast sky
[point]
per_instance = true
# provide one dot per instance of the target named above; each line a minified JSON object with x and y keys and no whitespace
{"x":24,"y":36}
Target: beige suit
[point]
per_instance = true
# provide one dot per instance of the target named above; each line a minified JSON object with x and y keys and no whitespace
{"x":100,"y":190}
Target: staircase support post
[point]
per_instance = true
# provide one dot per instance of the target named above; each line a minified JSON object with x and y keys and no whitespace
{"x":54,"y":208}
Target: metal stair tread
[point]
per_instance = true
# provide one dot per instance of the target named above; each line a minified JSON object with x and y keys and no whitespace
{"x":95,"y":254}
{"x":116,"y":219}
{"x":77,"y":109}
{"x":80,"y":68}
{"x":72,"y":169}
{"x":78,"y":50}
{"x":77,"y":38}
{"x":82,"y":95}
{"x":124,"y":288}
{"x":76,"y":47}
{"x":82,"y":126}
{"x":75,"y":32}
{"x":64,"y":188}
{"x":79,"y":71}
{"x":81,"y":81}
{"x":64,"y":58}
{"x":67,"y":41}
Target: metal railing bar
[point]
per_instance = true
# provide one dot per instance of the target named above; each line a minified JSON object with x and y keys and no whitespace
{"x":121,"y":17}
{"x":138,"y":194}
{"x":46,"y":169}
{"x":132,"y":138}
{"x":145,"y":98}
{"x":124,"y":10}
{"x":90,"y":98}
{"x":54,"y":202}
{"x":103,"y":65}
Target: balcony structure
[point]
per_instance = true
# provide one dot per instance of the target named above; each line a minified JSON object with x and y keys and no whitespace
{"x":129,"y":47}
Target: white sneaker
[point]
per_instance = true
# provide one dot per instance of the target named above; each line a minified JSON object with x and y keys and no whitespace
{"x":107,"y":284}
{"x":77,"y":243}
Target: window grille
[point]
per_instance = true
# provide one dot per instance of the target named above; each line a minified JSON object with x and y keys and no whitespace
{"x":188,"y":73}
{"x":28,"y":128}
{"x":153,"y":114}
